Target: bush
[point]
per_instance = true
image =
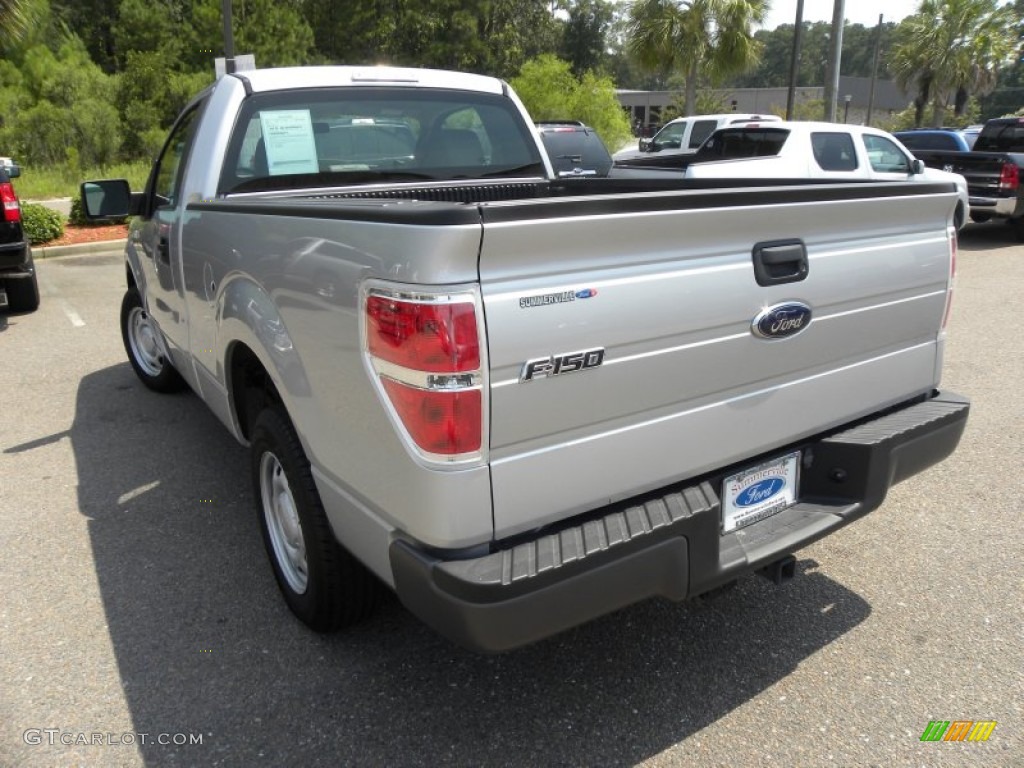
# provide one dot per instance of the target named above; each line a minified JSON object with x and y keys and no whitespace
{"x":77,"y":216}
{"x":41,"y":224}
{"x":550,"y":91}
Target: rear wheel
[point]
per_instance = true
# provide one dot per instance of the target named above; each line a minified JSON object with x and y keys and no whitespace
{"x":323,"y":585}
{"x":142,"y":343}
{"x":22,"y":294}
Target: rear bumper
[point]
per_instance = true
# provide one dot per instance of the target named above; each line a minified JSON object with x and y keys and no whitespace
{"x":15,"y":258}
{"x":1004,"y":207}
{"x":668,"y":544}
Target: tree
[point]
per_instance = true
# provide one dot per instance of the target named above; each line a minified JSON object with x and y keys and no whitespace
{"x":550,"y":91}
{"x":65,"y":109}
{"x":952,"y":49}
{"x":584,"y":43}
{"x":93,"y":22}
{"x":15,"y":16}
{"x":702,"y":38}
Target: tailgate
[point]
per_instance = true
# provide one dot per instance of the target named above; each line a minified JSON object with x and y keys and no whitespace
{"x":658,"y":292}
{"x":981,"y":170}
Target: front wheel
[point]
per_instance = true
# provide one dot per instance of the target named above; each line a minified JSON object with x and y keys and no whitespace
{"x":142,"y":343}
{"x":323,"y":585}
{"x":980,"y":218}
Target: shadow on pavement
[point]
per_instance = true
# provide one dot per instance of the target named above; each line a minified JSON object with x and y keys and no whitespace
{"x":204,"y":644}
{"x":984,"y":237}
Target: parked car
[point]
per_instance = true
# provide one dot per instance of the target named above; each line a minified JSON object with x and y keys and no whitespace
{"x":994,"y":169}
{"x":675,"y":143}
{"x":19,"y":288}
{"x":945,"y":139}
{"x":810,"y":150}
{"x":575,"y":148}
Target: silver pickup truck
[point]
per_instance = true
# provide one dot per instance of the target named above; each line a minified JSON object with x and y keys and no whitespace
{"x":521,"y":401}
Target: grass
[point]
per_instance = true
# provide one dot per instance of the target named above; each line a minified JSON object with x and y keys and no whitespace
{"x":39,"y":183}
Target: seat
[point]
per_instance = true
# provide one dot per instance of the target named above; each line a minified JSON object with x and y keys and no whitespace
{"x":453,"y":148}
{"x":833,"y":154}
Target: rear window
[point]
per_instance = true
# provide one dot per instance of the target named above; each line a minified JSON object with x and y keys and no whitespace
{"x":576,"y":152}
{"x":324,"y":137}
{"x":736,"y":143}
{"x":1001,"y":137}
{"x":928,"y":141}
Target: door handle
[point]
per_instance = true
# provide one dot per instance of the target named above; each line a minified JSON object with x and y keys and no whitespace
{"x":163,"y":251}
{"x":780,"y":261}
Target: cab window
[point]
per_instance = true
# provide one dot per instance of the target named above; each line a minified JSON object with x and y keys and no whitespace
{"x":701,"y":130}
{"x":834,"y":151}
{"x":885,"y":156}
{"x":671,"y":136}
{"x":170,"y":164}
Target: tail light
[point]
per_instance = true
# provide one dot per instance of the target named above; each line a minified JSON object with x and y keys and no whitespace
{"x":952,"y":276}
{"x":1009,"y":177}
{"x":12,"y":210}
{"x":424,"y":352}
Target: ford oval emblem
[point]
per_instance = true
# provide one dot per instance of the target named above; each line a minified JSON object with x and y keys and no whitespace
{"x":762,"y":490}
{"x":781,"y":321}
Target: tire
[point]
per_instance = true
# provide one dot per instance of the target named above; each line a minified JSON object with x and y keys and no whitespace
{"x":23,"y":292}
{"x":980,"y":218}
{"x":324,"y":586}
{"x":958,"y":218}
{"x":1018,"y":228}
{"x":143,"y":347}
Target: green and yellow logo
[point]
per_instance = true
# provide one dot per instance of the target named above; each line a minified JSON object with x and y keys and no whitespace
{"x":958,"y":730}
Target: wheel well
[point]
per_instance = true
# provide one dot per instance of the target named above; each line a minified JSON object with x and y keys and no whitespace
{"x":251,"y":387}
{"x":130,"y":277}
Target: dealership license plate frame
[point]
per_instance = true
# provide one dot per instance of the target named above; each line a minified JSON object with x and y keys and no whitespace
{"x":735,"y":516}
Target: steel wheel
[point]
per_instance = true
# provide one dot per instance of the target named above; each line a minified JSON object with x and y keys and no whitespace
{"x":142,"y":338}
{"x":142,"y":344}
{"x":321,"y":582}
{"x":283,"y":524}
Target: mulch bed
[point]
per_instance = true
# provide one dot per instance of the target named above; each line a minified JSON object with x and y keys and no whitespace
{"x":74,"y":235}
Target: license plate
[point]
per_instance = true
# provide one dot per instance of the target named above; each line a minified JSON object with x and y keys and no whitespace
{"x":759,"y":492}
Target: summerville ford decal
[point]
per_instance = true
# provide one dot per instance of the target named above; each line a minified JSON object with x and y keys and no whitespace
{"x":781,"y":321}
{"x":527,"y":302}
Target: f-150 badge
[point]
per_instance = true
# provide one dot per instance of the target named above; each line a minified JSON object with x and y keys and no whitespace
{"x":556,"y":365}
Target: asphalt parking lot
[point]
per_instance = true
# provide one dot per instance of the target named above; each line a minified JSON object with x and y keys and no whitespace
{"x":140,"y":623}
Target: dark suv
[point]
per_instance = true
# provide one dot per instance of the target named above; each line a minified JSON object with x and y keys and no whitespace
{"x":575,"y":149}
{"x":19,"y":290}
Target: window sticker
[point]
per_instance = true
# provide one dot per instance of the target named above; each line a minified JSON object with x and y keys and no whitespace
{"x":288,"y":138}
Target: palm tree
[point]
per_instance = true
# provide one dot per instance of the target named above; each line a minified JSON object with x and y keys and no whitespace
{"x":14,"y":21}
{"x":952,"y":48}
{"x":709,"y":38}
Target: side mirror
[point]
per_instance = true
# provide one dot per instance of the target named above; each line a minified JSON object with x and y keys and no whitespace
{"x":645,"y":145}
{"x":917,"y":166}
{"x":109,"y":199}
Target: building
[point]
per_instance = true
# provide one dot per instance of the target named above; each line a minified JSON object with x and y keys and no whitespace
{"x":648,"y":106}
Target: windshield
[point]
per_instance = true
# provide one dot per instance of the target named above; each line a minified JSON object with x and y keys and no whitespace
{"x":325,"y":137}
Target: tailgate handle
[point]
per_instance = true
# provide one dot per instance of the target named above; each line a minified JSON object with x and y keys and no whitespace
{"x":780,"y":261}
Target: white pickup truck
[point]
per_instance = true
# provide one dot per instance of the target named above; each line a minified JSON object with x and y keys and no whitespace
{"x":521,"y":401}
{"x":820,"y":151}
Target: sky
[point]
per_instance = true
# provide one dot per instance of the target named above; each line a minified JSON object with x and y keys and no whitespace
{"x":856,"y":11}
